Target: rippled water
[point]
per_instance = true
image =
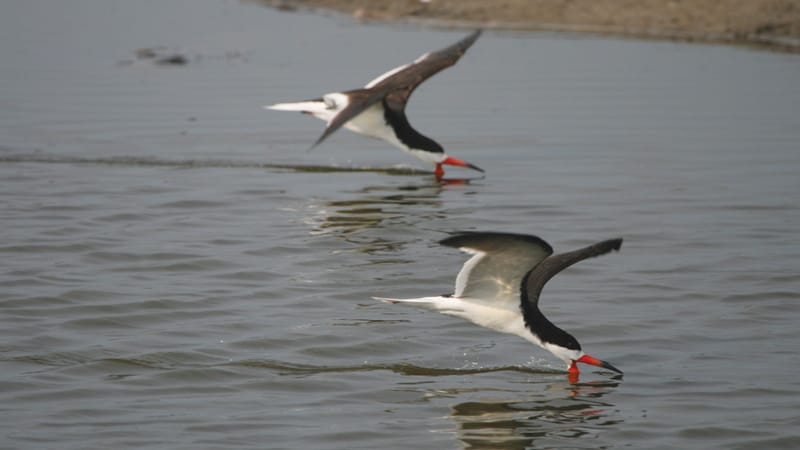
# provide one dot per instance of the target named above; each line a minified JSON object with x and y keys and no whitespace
{"x":178,"y":271}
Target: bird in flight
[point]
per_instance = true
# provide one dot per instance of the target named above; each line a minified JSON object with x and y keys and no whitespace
{"x":378,"y":109}
{"x":499,"y":288}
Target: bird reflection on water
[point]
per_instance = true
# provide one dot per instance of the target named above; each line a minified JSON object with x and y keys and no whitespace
{"x":513,"y":407}
{"x":374,"y":207}
{"x":562,"y":412}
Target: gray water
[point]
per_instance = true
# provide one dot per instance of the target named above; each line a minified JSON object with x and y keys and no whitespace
{"x":178,"y":271}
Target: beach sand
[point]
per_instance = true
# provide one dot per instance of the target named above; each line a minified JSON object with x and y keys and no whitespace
{"x":771,"y":23}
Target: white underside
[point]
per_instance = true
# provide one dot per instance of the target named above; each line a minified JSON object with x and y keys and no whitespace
{"x":493,"y":315}
{"x":476,"y":311}
{"x":371,"y":122}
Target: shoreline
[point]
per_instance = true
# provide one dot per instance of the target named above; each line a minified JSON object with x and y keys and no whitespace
{"x":766,"y":24}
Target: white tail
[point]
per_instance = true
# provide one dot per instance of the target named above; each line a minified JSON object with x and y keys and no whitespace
{"x":435,"y":303}
{"x":307,"y":107}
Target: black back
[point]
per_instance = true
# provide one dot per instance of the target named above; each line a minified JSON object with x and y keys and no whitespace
{"x":395,"y":89}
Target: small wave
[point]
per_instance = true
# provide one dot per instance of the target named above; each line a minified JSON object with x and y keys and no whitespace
{"x":400,"y":368}
{"x":201,"y":163}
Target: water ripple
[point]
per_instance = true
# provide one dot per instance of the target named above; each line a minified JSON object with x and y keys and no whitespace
{"x":124,"y":161}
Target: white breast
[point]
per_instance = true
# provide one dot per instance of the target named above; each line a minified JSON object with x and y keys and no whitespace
{"x":372,"y":123}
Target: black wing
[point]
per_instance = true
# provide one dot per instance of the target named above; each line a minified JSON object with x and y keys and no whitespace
{"x":554,"y":264}
{"x":397,"y":84}
{"x":401,"y":84}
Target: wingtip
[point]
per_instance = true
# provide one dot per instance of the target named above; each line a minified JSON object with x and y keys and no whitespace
{"x":465,"y":43}
{"x":608,"y":246}
{"x":317,"y":142}
{"x":322,"y":137}
{"x":472,"y":37}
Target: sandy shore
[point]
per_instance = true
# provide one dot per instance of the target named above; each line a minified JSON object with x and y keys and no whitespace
{"x":772,"y":23}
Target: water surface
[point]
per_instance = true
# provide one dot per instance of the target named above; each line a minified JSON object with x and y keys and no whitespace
{"x":178,"y":271}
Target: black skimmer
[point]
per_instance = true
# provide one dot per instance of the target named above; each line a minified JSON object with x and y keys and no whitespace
{"x":499,"y":288}
{"x":378,"y":109}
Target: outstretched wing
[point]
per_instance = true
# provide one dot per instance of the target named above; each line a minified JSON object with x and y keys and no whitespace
{"x":551,"y":266}
{"x":396,"y":85}
{"x":401,"y":81}
{"x":499,"y":263}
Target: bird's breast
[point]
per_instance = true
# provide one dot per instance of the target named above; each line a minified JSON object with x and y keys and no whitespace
{"x":372,"y":122}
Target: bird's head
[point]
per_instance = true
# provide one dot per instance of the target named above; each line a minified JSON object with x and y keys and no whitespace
{"x":572,"y":354}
